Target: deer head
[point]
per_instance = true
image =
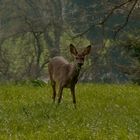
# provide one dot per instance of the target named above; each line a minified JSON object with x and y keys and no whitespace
{"x":79,"y":56}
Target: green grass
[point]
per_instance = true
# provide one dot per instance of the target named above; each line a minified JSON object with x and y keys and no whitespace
{"x":104,"y":112}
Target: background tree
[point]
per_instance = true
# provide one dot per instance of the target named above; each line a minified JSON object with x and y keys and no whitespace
{"x":42,"y":19}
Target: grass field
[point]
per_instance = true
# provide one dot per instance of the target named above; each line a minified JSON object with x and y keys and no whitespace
{"x":104,"y":112}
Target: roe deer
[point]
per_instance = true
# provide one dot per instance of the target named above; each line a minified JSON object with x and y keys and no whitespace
{"x":66,"y":74}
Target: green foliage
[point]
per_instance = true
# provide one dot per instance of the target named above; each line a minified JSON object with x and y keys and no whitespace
{"x":38,"y":83}
{"x":104,"y":112}
{"x":131,"y":45}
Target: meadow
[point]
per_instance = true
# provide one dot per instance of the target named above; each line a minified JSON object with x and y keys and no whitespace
{"x":104,"y":112}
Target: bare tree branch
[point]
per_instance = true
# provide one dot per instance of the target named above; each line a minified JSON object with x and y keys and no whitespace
{"x":43,"y":65}
{"x":105,"y":19}
{"x":112,"y":11}
{"x":126,"y":21}
{"x":31,"y":4}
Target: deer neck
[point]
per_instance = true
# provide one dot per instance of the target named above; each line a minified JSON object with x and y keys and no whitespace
{"x":75,"y":73}
{"x":77,"y":68}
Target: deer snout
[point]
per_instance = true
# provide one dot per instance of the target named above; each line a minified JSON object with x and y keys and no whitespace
{"x":80,"y":61}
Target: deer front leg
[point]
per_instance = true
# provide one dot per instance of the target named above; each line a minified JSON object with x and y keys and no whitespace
{"x":73,"y":95}
{"x":60,"y":94}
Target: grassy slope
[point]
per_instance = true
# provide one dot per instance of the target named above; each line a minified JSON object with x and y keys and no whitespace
{"x":104,"y":112}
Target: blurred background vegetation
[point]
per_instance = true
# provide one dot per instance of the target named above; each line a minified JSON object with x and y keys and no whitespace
{"x":32,"y":31}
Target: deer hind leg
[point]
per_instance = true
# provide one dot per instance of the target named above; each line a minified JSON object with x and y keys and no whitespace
{"x":53,"y":83}
{"x":60,"y":94}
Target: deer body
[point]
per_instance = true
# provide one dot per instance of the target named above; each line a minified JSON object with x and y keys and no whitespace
{"x":65,"y":73}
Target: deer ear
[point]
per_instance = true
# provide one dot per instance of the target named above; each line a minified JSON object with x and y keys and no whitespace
{"x":87,"y":50}
{"x":73,"y":49}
